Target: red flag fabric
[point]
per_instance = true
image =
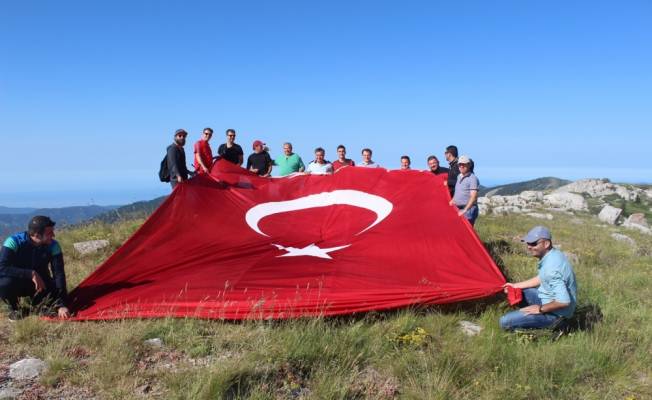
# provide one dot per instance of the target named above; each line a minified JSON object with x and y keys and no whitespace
{"x":233,"y":245}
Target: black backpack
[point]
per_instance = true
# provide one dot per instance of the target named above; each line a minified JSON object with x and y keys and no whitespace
{"x":164,"y":172}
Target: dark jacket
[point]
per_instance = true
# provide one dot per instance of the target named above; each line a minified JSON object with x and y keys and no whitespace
{"x":177,"y":162}
{"x":19,"y":257}
{"x":453,"y":172}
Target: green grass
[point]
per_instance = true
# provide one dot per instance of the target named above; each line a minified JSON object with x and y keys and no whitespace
{"x":410,"y":354}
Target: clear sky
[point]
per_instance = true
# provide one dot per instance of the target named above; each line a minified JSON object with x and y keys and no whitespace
{"x":92,"y":91}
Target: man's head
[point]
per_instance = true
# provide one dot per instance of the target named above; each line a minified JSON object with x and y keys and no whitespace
{"x":433,"y":163}
{"x":207,"y":133}
{"x":341,"y":152}
{"x":319,"y":155}
{"x":366,"y":155}
{"x":230,"y":136}
{"x":538,"y":241}
{"x":464,"y":164}
{"x":405,"y":162}
{"x":287,"y":148}
{"x":258,"y":146}
{"x":41,"y":230}
{"x":450,"y":153}
{"x":180,"y":137}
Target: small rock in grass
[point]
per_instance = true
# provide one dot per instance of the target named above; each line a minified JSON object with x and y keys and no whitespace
{"x":27,"y":368}
{"x":155,"y":342}
{"x":9,"y":393}
{"x":623,"y":238}
{"x":469,"y":328}
{"x":90,"y":246}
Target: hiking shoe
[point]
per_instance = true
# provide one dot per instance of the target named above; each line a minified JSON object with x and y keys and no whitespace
{"x":15,"y":315}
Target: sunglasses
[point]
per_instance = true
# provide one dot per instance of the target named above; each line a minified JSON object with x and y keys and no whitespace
{"x":533,"y":244}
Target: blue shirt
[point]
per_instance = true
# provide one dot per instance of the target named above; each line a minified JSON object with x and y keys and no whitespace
{"x":557,"y":282}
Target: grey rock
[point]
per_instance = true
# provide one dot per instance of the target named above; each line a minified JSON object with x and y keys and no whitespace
{"x":609,"y":214}
{"x":469,"y":328}
{"x":531,"y":196}
{"x":566,"y":201}
{"x":27,"y":368}
{"x":9,"y":393}
{"x":623,"y":238}
{"x":637,"y":219}
{"x":90,"y":247}
{"x":155,"y":342}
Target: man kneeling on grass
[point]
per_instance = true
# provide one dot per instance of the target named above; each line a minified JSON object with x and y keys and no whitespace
{"x":31,"y":265}
{"x":550,"y":295}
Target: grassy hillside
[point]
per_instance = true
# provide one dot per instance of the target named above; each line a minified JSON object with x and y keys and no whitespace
{"x":411,"y":354}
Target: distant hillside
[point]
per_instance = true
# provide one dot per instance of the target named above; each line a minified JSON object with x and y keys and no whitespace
{"x":541,"y":184}
{"x":17,"y":221}
{"x":138,"y":209}
{"x":15,"y":210}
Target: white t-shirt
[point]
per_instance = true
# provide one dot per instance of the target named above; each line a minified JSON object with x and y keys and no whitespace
{"x":320,"y":169}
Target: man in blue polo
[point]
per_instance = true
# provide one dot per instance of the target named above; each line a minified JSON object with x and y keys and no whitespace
{"x":31,"y":265}
{"x":548,"y":296}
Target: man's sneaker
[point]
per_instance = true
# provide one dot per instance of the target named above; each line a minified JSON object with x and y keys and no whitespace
{"x":15,"y":315}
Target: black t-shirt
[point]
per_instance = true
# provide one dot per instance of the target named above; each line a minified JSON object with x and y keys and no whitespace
{"x":232,"y":153}
{"x":261,"y":161}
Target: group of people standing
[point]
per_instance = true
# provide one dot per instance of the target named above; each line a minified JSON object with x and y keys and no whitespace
{"x":462,"y":183}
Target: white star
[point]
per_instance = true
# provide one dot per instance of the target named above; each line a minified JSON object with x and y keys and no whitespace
{"x":310,"y":250}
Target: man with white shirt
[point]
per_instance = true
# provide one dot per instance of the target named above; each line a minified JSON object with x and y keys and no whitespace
{"x":320,"y":166}
{"x":367,"y":162}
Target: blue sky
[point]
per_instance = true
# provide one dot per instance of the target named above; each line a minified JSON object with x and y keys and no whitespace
{"x":91,"y":92}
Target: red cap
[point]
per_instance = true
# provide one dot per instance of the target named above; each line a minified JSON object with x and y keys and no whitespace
{"x":257,"y":143}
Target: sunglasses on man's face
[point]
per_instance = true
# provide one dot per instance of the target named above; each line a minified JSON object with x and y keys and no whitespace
{"x":532,"y":244}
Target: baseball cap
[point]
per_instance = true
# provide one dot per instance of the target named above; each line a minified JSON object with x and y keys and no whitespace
{"x":464,"y":160}
{"x":180,"y":131}
{"x":536,"y":233}
{"x":257,"y":143}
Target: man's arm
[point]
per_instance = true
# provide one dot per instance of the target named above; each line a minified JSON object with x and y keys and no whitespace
{"x":8,"y":262}
{"x":59,"y":274}
{"x":269,"y":166}
{"x":302,"y":167}
{"x":530,"y":283}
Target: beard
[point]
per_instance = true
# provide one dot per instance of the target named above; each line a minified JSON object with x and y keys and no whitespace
{"x":180,"y":141}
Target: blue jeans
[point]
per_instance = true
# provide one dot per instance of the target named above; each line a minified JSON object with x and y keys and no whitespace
{"x":517,"y":320}
{"x":471,"y":214}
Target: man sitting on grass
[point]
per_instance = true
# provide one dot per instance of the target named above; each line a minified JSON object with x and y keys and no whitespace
{"x":31,"y":265}
{"x":551,"y":294}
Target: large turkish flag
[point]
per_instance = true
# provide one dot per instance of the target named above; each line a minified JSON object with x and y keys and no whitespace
{"x":233,"y":245}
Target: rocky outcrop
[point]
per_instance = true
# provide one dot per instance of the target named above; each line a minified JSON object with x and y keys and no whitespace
{"x":529,"y":201}
{"x":599,"y":188}
{"x":610,"y":214}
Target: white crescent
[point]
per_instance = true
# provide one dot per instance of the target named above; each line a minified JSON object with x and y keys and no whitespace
{"x":380,"y":206}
